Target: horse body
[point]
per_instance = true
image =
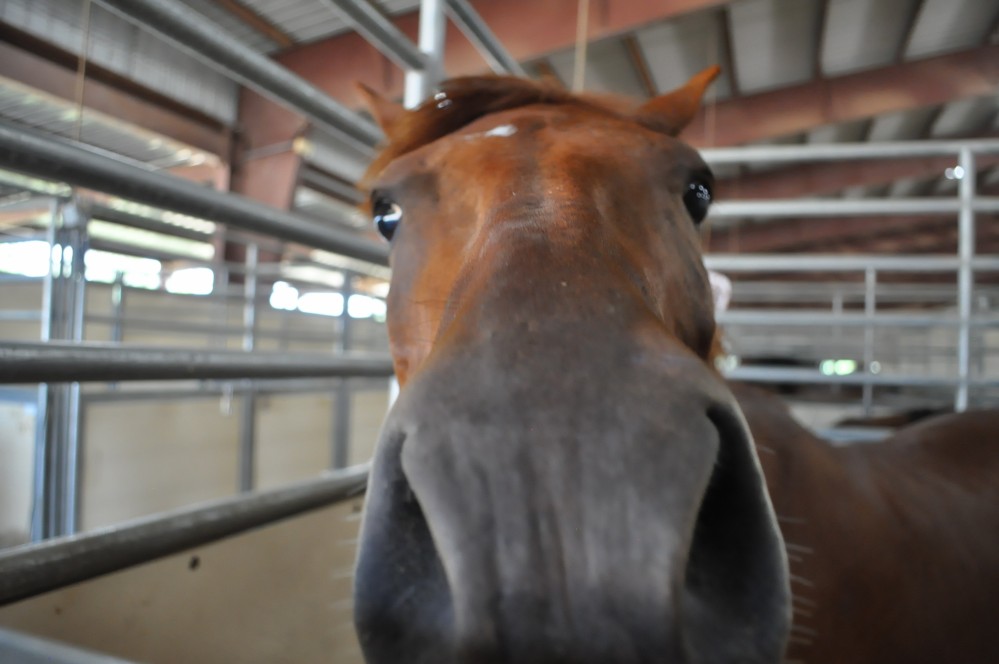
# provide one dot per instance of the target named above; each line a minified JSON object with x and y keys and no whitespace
{"x":893,"y":546}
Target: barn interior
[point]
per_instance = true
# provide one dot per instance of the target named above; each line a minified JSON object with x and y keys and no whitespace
{"x":194,"y":359}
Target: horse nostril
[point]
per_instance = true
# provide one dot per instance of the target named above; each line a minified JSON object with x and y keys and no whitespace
{"x":736,"y":573}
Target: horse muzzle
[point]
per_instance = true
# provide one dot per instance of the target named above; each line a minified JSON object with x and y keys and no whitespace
{"x":536,"y":502}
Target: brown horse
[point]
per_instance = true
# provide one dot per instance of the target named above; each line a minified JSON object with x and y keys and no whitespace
{"x":564,"y":477}
{"x":893,"y":546}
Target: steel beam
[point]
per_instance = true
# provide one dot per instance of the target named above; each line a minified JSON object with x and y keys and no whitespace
{"x":193,"y":33}
{"x":28,"y":362}
{"x":29,"y":571}
{"x":896,"y":88}
{"x":50,"y":157}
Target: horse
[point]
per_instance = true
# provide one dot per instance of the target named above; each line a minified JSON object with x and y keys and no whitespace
{"x":893,"y":546}
{"x":564,"y":477}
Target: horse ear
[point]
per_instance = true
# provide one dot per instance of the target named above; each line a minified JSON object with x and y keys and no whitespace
{"x":671,"y":112}
{"x":386,"y":112}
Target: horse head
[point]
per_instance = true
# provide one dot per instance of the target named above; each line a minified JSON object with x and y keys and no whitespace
{"x":564,"y":477}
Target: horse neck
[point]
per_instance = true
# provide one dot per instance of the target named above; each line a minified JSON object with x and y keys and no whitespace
{"x":798,"y":467}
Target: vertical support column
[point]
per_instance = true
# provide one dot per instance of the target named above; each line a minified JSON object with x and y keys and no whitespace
{"x":118,"y":308}
{"x":431,"y":43}
{"x":870,"y":306}
{"x":342,"y":394}
{"x":55,"y":510}
{"x":248,"y":412}
{"x":965,"y":276}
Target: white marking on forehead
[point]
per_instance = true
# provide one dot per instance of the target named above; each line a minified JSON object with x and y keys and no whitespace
{"x":502,"y":130}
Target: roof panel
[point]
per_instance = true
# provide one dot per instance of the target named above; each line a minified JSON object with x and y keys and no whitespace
{"x":773,"y":42}
{"x":863,"y":33}
{"x":608,"y":68}
{"x":949,"y":25}
{"x":846,"y":132}
{"x":906,"y":126}
{"x":967,"y":117}
{"x":676,"y":50}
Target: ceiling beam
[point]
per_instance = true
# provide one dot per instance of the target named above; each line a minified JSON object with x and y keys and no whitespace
{"x":546,"y":32}
{"x":814,"y":234}
{"x":862,"y":95}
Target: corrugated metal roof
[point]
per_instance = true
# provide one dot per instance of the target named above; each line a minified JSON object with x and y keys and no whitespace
{"x":308,"y":20}
{"x":232,"y":25}
{"x":676,"y":50}
{"x":608,"y":69}
{"x":774,"y":42}
{"x":117,"y":45}
{"x":948,"y":25}
{"x":42,"y":112}
{"x":863,"y":33}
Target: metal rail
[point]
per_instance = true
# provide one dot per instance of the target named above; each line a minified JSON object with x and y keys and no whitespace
{"x":380,"y":32}
{"x":840,"y":152}
{"x":29,"y":571}
{"x":850,"y":208}
{"x":477,"y":32}
{"x":51,"y":157}
{"x":28,"y":362}
{"x":17,"y":648}
{"x":193,"y":33}
{"x":852,"y":263}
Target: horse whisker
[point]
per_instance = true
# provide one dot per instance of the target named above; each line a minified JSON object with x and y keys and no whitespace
{"x":791,"y":519}
{"x":798,"y":547}
{"x":807,"y":631}
{"x":802,"y":580}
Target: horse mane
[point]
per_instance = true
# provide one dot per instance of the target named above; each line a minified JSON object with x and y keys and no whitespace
{"x":463,"y":100}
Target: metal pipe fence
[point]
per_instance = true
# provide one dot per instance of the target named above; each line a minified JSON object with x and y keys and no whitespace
{"x":965,"y":321}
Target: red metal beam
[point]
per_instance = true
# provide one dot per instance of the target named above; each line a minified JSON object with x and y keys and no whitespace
{"x":149,"y":113}
{"x":813,"y":234}
{"x":901,"y":87}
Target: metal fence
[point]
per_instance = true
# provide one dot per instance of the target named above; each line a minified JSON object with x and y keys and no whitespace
{"x":965,"y":265}
{"x":62,"y":360}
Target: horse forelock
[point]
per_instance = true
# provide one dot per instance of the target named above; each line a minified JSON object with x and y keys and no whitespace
{"x":464,"y":100}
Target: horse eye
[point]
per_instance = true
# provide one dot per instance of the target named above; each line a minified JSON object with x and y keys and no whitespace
{"x":386,"y":214}
{"x":697,"y":199}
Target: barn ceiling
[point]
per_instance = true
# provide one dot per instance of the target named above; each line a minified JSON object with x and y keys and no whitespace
{"x":817,"y":71}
